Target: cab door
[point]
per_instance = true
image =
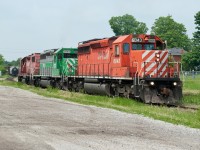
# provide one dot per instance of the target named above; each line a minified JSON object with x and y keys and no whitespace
{"x":116,"y":61}
{"x":59,"y":63}
{"x":116,"y":58}
{"x":125,"y":54}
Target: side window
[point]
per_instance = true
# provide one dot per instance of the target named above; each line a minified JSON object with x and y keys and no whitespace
{"x":66,"y":55}
{"x":59,"y":56}
{"x":33,"y":59}
{"x":136,"y":46}
{"x":116,"y":50}
{"x":126,"y":48}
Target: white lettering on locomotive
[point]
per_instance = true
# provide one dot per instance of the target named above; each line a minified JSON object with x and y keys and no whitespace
{"x":136,"y":39}
{"x":151,"y":40}
{"x":116,"y":60}
{"x":103,"y":55}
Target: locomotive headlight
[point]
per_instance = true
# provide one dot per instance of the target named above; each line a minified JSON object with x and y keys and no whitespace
{"x":175,"y":83}
{"x":152,"y":83}
{"x":157,"y":59}
{"x":157,"y":55}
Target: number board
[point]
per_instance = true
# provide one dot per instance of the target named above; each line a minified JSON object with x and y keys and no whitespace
{"x":137,"y":40}
{"x":151,"y":40}
{"x":67,"y":51}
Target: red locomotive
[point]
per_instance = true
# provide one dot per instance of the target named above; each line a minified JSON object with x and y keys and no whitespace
{"x":29,"y":67}
{"x":130,"y":65}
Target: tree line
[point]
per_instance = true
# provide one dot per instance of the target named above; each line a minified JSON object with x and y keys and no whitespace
{"x":4,"y":65}
{"x":167,"y":29}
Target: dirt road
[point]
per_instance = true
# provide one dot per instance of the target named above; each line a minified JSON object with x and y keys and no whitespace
{"x":29,"y":121}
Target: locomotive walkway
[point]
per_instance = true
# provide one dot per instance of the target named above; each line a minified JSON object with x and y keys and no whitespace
{"x":29,"y":121}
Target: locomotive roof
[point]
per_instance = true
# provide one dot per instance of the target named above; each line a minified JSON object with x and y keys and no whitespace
{"x":121,"y":38}
{"x":118,"y":39}
{"x":93,"y":41}
{"x":64,"y":49}
{"x":50,"y":51}
{"x":26,"y":57}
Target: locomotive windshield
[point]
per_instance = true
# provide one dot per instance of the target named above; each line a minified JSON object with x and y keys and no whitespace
{"x":147,"y":43}
{"x":136,"y":46}
{"x":148,"y":46}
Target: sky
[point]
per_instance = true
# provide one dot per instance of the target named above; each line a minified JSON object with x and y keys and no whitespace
{"x":28,"y":26}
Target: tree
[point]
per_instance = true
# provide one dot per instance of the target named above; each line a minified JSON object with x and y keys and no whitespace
{"x":127,"y":24}
{"x":2,"y":67}
{"x":196,"y":35}
{"x":173,"y":32}
{"x":1,"y":60}
{"x":191,"y":60}
{"x":14,"y":62}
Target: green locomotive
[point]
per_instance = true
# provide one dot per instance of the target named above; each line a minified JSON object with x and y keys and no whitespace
{"x":56,"y":65}
{"x":58,"y":62}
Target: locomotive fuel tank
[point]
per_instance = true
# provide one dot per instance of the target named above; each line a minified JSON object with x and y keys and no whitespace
{"x":44,"y":83}
{"x":97,"y":88}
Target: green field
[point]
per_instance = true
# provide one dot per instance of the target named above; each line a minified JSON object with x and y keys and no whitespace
{"x":173,"y":115}
{"x":191,"y":90}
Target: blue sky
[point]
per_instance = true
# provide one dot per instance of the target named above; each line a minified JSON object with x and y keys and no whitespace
{"x":29,"y":26}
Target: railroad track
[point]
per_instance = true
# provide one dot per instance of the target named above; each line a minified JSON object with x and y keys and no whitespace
{"x":11,"y":79}
{"x":188,"y":107}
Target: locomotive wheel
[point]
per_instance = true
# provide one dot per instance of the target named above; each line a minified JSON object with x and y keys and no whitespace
{"x":36,"y":83}
{"x":31,"y":82}
{"x":53,"y":84}
{"x":77,"y":89}
{"x":19,"y":79}
{"x":27,"y":81}
{"x":58,"y":85}
{"x":146,"y":94}
{"x":64,"y":87}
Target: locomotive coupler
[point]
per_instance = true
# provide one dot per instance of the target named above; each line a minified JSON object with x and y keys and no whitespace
{"x":165,"y":91}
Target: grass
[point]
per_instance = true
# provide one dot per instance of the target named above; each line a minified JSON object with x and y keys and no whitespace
{"x":4,"y":76}
{"x":191,"y":84}
{"x":180,"y":116}
{"x":191,"y":90}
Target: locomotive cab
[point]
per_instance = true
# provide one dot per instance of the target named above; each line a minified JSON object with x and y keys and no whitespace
{"x":155,"y":79}
{"x":148,"y":56}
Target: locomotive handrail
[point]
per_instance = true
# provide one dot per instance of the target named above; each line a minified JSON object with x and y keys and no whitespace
{"x":177,"y":67}
{"x":136,"y":72}
{"x":182,"y":73}
{"x":152,"y":67}
{"x":144,"y":62}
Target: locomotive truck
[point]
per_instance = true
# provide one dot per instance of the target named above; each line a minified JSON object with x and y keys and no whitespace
{"x":133,"y":66}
